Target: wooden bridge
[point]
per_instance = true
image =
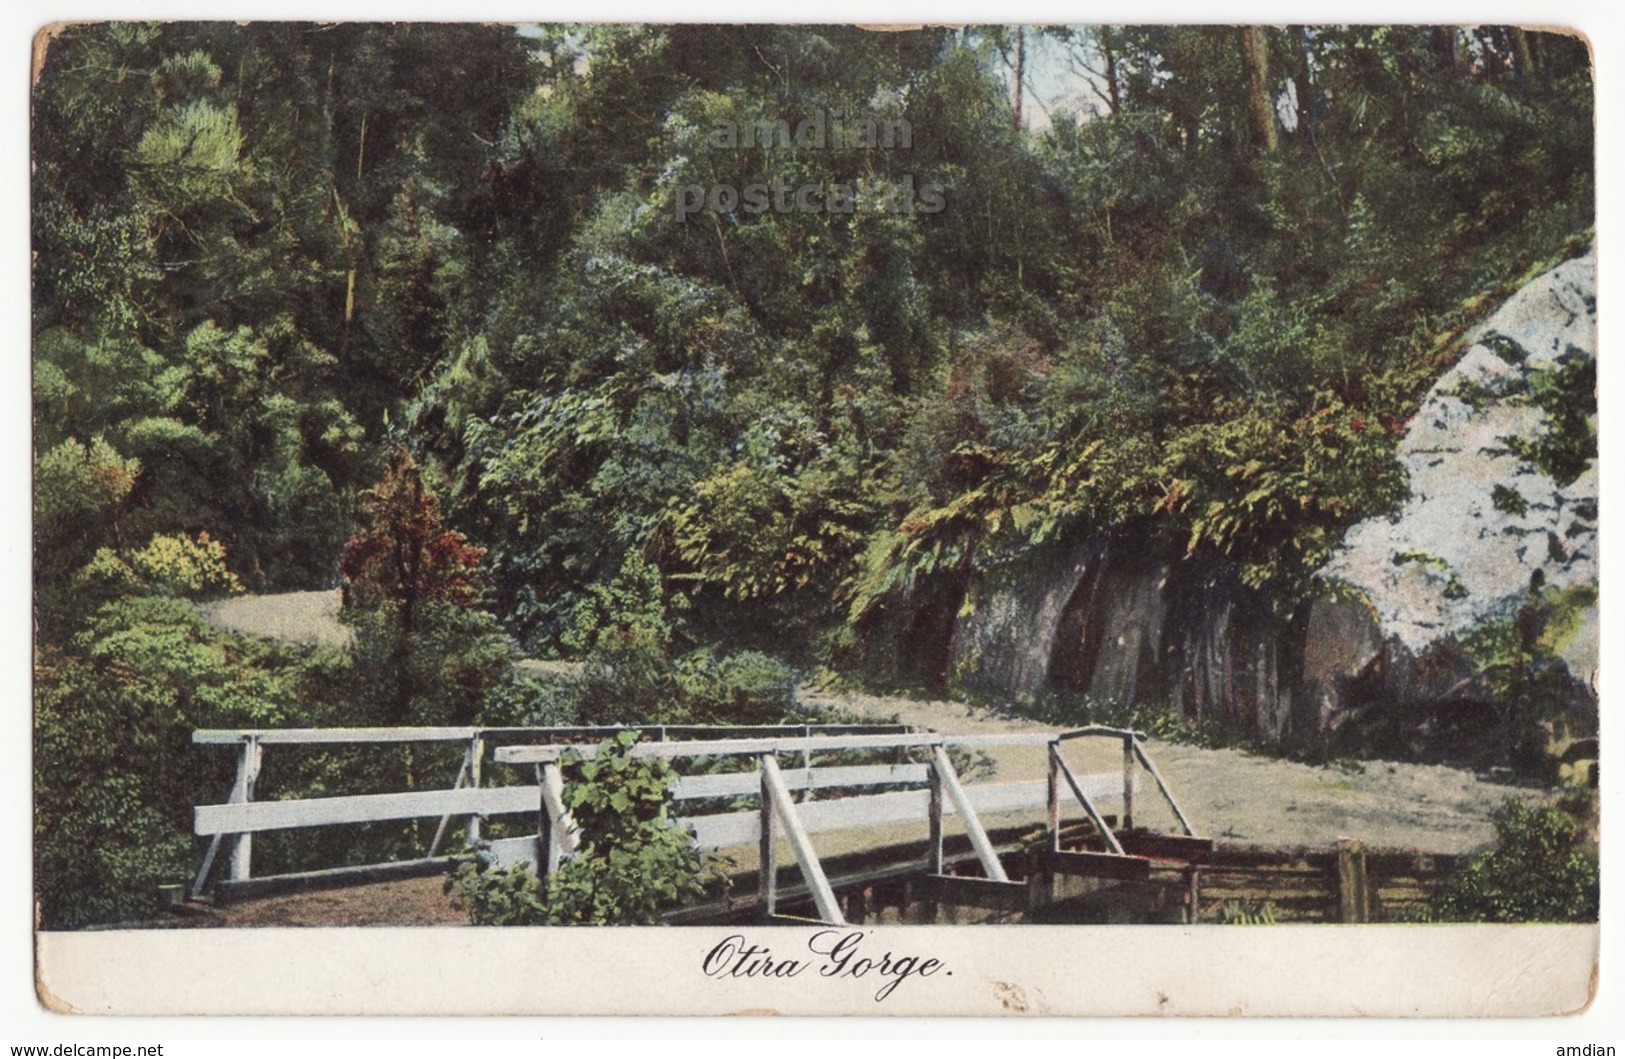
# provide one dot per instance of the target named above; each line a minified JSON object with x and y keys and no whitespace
{"x":882,"y":800}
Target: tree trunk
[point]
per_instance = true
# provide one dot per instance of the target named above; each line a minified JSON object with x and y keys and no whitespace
{"x":1305,"y":87}
{"x":1021,"y":70}
{"x":1524,"y":58}
{"x":1260,"y":113}
{"x":1110,"y":55}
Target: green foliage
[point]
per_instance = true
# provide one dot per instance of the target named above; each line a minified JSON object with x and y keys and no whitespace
{"x":1241,"y":914}
{"x":189,"y":159}
{"x":1277,"y":495}
{"x":522,"y":701}
{"x":1453,"y":587}
{"x":115,"y":774}
{"x":497,"y":897}
{"x":633,"y":864}
{"x":1518,"y":654}
{"x":440,"y":672}
{"x":425,"y":653}
{"x":1543,"y":868}
{"x":1509,"y":500}
{"x":169,"y":565}
{"x":1567,"y":393}
{"x":747,"y":687}
{"x":77,"y":490}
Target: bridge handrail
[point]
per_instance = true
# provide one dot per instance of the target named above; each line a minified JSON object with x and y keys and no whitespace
{"x":458,"y":734}
{"x":1102,"y":729}
{"x":240,"y":817}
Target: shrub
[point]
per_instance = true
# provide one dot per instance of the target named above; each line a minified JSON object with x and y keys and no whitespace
{"x":633,"y":864}
{"x":170,"y":565}
{"x":744,"y":688}
{"x":115,"y":774}
{"x":1543,"y":869}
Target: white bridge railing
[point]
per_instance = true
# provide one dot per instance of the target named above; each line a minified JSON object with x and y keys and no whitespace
{"x":232,"y":824}
{"x":800,"y":800}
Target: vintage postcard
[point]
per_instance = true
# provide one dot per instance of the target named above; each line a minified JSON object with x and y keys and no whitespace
{"x":814,"y":519}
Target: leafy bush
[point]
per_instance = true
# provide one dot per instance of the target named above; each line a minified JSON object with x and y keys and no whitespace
{"x":1543,"y":869}
{"x":638,"y":684}
{"x":633,"y":864}
{"x":173,"y":565}
{"x":1518,"y":654}
{"x":744,"y":688}
{"x":522,"y":701}
{"x":1567,"y":393}
{"x":441,"y":672}
{"x":425,"y":653}
{"x":115,"y":773}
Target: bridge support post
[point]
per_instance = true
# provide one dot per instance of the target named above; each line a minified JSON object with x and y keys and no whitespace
{"x":767,"y":884}
{"x":934,"y":858}
{"x":1128,"y":782}
{"x":1059,"y":765}
{"x":778,"y":795}
{"x":553,"y":838}
{"x":1053,"y":790}
{"x":242,"y":845}
{"x":468,"y":774}
{"x":476,"y":751}
{"x":943,"y":769}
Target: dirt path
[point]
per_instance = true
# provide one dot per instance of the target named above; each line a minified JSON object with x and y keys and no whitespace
{"x":1242,"y":797}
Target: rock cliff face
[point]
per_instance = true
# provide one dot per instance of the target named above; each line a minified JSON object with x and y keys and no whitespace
{"x":1501,"y":527}
{"x":1486,"y":522}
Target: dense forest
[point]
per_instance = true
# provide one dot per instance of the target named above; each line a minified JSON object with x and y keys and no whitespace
{"x":712,"y":357}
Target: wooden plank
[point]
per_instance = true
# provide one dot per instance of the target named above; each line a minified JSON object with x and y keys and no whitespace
{"x":767,"y":874}
{"x":1168,"y":847}
{"x":566,"y":832}
{"x":811,"y":870}
{"x":525,"y":755}
{"x":509,"y":852}
{"x":350,"y":875}
{"x":1264,"y":857}
{"x":1099,"y":865}
{"x":462,"y":778}
{"x":571,"y":733}
{"x":360,"y":808}
{"x":238,"y":793}
{"x":476,"y":754}
{"x":295,"y":736}
{"x":242,"y":845}
{"x":1083,"y":798}
{"x":740,"y":784}
{"x":1129,"y":746}
{"x":1162,"y":785}
{"x":1010,"y":739}
{"x":934,"y":808}
{"x":724,"y":830}
{"x":1097,"y":730}
{"x":1052,"y":798}
{"x":727,"y":830}
{"x":1005,"y":896}
{"x":680,"y":732}
{"x":1353,"y":891}
{"x":967,"y":815}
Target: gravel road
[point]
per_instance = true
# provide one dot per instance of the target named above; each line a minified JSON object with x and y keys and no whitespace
{"x":1242,"y":797}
